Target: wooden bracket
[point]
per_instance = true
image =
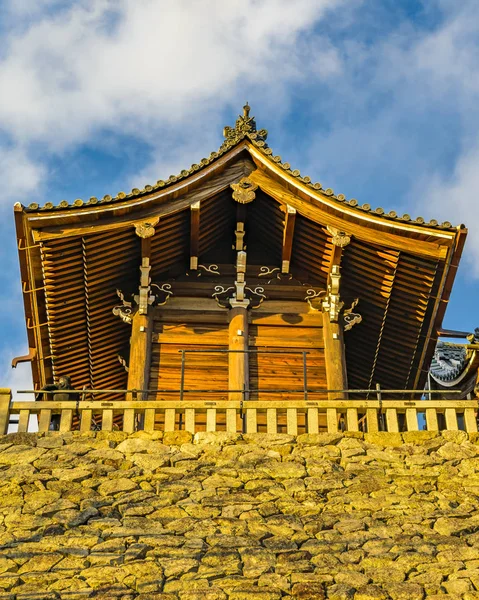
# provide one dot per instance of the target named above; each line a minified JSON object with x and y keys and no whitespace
{"x":194,"y":235}
{"x":288,"y":232}
{"x":240,"y":233}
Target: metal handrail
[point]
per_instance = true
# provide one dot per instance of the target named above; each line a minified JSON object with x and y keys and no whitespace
{"x":244,"y":392}
{"x":313,"y":391}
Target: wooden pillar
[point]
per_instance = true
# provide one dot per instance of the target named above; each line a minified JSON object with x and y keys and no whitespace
{"x":5,"y":398}
{"x":142,"y":321}
{"x":194,"y":235}
{"x":288,"y":233}
{"x":334,"y":357}
{"x":238,"y":372}
{"x":140,"y":345}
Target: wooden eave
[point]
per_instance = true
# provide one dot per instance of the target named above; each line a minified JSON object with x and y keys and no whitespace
{"x":274,"y":180}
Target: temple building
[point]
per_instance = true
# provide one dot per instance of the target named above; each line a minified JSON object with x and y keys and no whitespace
{"x":238,"y":279}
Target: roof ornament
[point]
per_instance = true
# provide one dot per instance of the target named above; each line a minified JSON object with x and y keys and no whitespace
{"x":451,"y":360}
{"x":339,"y":238}
{"x":350,"y":318}
{"x":244,"y":126}
{"x":146,"y":229}
{"x":244,"y":191}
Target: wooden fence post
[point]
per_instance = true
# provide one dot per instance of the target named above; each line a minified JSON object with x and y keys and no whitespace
{"x":5,"y":397}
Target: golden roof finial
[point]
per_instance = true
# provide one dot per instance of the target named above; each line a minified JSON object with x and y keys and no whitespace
{"x":244,"y":126}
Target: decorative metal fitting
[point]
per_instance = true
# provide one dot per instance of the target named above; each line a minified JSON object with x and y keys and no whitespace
{"x":339,"y":238}
{"x":146,"y":229}
{"x":244,"y":191}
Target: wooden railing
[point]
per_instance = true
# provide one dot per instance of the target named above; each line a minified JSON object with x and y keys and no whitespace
{"x":247,"y":416}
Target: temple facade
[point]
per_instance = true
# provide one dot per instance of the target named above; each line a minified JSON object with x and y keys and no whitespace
{"x":237,"y":280}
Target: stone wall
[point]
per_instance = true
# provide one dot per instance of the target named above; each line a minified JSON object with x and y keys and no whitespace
{"x":239,"y":517}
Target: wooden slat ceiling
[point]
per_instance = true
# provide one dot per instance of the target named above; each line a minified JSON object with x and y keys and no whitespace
{"x":264,"y":230}
{"x":81,"y":276}
{"x":217,"y":223}
{"x":169,"y":245}
{"x":395,"y":293}
{"x":312,"y":249}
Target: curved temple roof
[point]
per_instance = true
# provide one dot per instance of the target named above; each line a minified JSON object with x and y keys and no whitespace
{"x":74,"y":256}
{"x":245,"y":128}
{"x":456,"y":365}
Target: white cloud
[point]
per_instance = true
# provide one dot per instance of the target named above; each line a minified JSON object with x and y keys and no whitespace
{"x":394,"y":108}
{"x":456,"y":197}
{"x":403,"y":131}
{"x":140,"y":67}
{"x":19,"y":174}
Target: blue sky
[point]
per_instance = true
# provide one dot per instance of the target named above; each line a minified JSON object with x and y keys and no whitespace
{"x":378,"y":99}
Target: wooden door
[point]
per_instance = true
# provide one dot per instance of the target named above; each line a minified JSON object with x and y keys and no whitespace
{"x":281,"y":337}
{"x":198,"y":330}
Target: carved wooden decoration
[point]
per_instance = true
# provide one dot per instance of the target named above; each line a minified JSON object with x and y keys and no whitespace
{"x":339,"y":238}
{"x":123,"y":310}
{"x":146,"y":229}
{"x":244,"y":191}
{"x":351,"y":318}
{"x":332,"y":303}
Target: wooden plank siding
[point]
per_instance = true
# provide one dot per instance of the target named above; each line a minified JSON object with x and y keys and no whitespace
{"x":289,"y":334}
{"x":180,"y":328}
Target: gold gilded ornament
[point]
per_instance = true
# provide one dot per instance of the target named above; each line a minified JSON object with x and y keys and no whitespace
{"x":146,"y":229}
{"x":339,"y":238}
{"x":244,"y":191}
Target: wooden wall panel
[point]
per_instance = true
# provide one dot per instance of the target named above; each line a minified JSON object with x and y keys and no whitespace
{"x":290,"y":335}
{"x":176,"y":330}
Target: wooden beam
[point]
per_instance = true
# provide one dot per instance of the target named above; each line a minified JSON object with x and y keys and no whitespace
{"x":288,"y":233}
{"x":142,"y":321}
{"x":146,"y":248}
{"x":376,"y":230}
{"x":238,"y":371}
{"x":5,"y":398}
{"x":105,"y":217}
{"x":140,"y":350}
{"x":334,"y":353}
{"x":194,"y":235}
{"x":334,"y":358}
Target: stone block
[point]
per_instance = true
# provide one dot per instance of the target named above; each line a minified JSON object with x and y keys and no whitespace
{"x":255,"y":593}
{"x":405,"y":591}
{"x":457,"y":437}
{"x":116,"y":486}
{"x":419,"y":438}
{"x":177,"y":438}
{"x":370,"y":592}
{"x":319,"y":439}
{"x":340,"y":591}
{"x":216,"y":438}
{"x":308,"y":591}
{"x":385,"y":439}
